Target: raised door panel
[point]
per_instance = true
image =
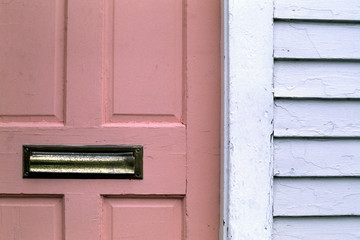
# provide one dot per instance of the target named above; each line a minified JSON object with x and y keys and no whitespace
{"x":143,"y":218}
{"x":32,"y":60}
{"x":144,"y":56}
{"x":31,"y":218}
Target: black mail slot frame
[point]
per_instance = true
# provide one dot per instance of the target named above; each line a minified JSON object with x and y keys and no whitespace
{"x":109,"y":161}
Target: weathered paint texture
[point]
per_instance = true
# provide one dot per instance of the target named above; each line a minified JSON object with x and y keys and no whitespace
{"x":316,"y":120}
{"x":320,"y":9}
{"x":248,"y":114}
{"x":317,"y":79}
{"x":316,"y":157}
{"x":317,"y":117}
{"x":316,"y":40}
{"x":316,"y":196}
{"x":317,"y":228}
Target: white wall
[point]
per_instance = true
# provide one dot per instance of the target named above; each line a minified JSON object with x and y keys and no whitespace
{"x":298,"y":79}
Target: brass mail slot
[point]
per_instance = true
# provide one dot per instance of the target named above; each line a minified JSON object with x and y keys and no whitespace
{"x":82,"y":161}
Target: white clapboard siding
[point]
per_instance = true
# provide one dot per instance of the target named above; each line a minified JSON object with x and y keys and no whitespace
{"x":316,"y":188}
{"x":316,"y":157}
{"x":316,"y":117}
{"x":321,"y":79}
{"x":312,"y":228}
{"x":318,"y":9}
{"x":316,"y":40}
{"x":316,"y":196}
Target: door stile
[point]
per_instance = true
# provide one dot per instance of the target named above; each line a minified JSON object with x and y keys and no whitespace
{"x":82,"y":216}
{"x":203,"y":135}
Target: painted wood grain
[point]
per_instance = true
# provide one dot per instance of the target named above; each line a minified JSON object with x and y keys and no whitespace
{"x":320,"y":9}
{"x":316,"y":117}
{"x":32,"y":46}
{"x":164,"y":147}
{"x":31,"y":217}
{"x":312,"y":228}
{"x":334,"y":116}
{"x":316,"y":40}
{"x":146,"y":218}
{"x":247,"y":119}
{"x":316,"y":157}
{"x":136,"y":53}
{"x":322,"y":79}
{"x":316,"y":196}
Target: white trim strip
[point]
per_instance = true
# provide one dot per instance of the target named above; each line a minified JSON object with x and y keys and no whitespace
{"x":224,"y":122}
{"x":247,"y":119}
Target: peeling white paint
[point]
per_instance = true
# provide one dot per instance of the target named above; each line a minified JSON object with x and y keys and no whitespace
{"x":316,"y":40}
{"x":316,"y":98}
{"x":316,"y":196}
{"x":318,"y":79}
{"x":319,"y":9}
{"x":317,"y":118}
{"x":247,"y":114}
{"x":316,"y":157}
{"x":317,"y":228}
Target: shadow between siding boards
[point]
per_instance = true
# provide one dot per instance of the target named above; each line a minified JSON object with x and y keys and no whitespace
{"x":321,"y":10}
{"x":316,"y":228}
{"x":316,"y":118}
{"x":306,"y":157}
{"x":316,"y":40}
{"x":316,"y":196}
{"x":317,"y":79}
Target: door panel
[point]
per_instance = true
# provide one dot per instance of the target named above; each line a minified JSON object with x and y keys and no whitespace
{"x":113,"y":72}
{"x":160,"y":218}
{"x":144,"y":60}
{"x":32,"y":58}
{"x":31,"y":218}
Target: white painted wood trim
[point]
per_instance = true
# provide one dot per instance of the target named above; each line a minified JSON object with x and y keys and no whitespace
{"x":247,"y":45}
{"x":224,"y":191}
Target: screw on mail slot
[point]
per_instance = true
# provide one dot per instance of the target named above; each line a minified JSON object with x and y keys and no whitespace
{"x":41,"y":161}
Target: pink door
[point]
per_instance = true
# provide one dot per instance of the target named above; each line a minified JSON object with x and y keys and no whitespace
{"x":111,"y":72}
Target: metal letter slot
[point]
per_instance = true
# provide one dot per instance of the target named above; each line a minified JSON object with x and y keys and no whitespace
{"x":82,"y":161}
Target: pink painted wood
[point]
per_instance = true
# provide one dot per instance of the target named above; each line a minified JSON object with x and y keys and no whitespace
{"x":100,"y":72}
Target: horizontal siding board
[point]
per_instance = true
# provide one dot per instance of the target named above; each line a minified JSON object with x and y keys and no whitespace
{"x":313,"y":228}
{"x":321,"y":79}
{"x":313,"y":117}
{"x":316,"y":40}
{"x":338,"y":115}
{"x":316,"y":157}
{"x":316,"y":196}
{"x":319,"y":9}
